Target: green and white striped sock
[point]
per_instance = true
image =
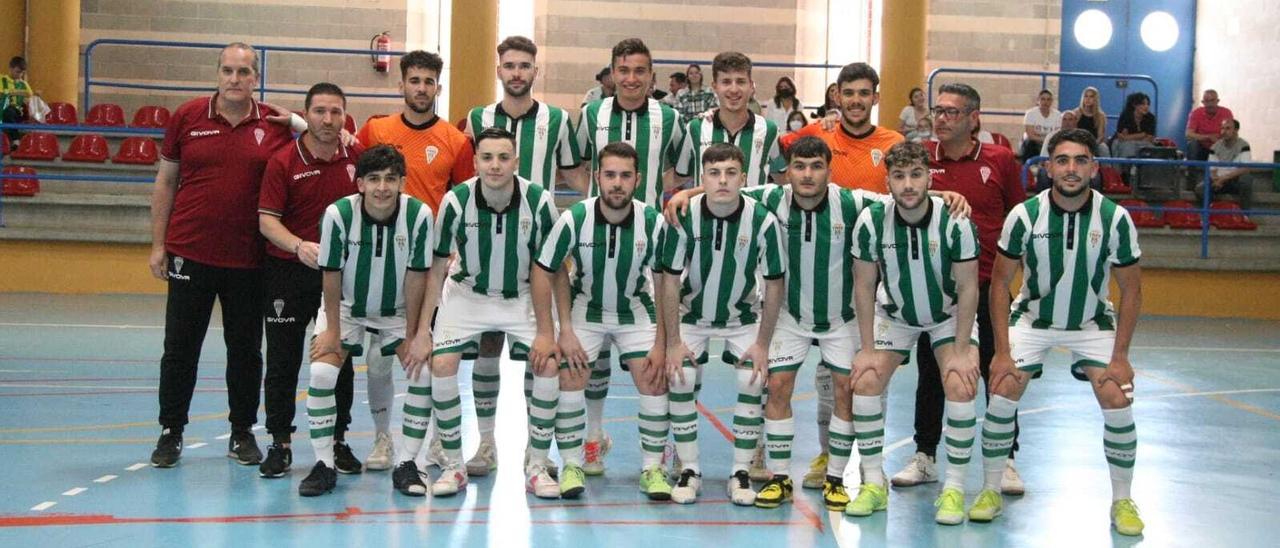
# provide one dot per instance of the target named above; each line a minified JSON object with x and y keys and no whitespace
{"x":868,"y":426}
{"x":655,"y":424}
{"x":448,"y":409}
{"x":1120,"y":440}
{"x":839,"y":446}
{"x":778,"y":436}
{"x":597,"y":391}
{"x":322,"y":410}
{"x":485,"y":379}
{"x":417,"y":417}
{"x":961,"y":424}
{"x":747,"y":419}
{"x":684,"y":418}
{"x":997,"y":439}
{"x":571,"y":422}
{"x":542,"y":417}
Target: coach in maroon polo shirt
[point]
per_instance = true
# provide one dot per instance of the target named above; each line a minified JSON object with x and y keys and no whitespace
{"x":989,"y":178}
{"x":205,"y":242}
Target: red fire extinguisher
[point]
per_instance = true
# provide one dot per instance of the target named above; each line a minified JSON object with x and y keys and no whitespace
{"x":381,"y":43}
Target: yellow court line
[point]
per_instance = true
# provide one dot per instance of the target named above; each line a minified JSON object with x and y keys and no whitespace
{"x":302,"y":395}
{"x":1186,"y":388}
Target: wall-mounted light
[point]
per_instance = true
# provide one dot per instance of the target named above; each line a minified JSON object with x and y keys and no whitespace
{"x":1159,"y":31}
{"x":1092,"y":29}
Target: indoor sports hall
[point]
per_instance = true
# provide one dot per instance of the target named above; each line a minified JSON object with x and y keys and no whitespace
{"x":95,"y":109}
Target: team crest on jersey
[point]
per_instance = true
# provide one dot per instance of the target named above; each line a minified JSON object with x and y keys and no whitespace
{"x":742,"y":241}
{"x":985,"y":172}
{"x":837,"y":230}
{"x":351,"y":171}
{"x":259,"y":135}
{"x":432,"y":152}
{"x":876,"y":156}
{"x":758,"y":145}
{"x":278,"y":305}
{"x":402,"y":242}
{"x":1095,"y":237}
{"x":526,"y":225}
{"x":640,"y":245}
{"x":933,"y":248}
{"x":542,"y":132}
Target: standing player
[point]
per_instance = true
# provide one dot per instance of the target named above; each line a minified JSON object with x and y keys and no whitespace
{"x":1068,"y":240}
{"x":731,"y":123}
{"x":496,"y":223}
{"x":712,"y":256}
{"x":437,"y":156}
{"x":654,"y":130}
{"x":299,"y":183}
{"x":926,"y":265}
{"x":612,"y":241}
{"x":547,"y":147}
{"x":373,"y":250}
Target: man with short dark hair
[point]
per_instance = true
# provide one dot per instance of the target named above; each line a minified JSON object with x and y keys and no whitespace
{"x":1231,"y":148}
{"x":732,"y":122}
{"x":1204,"y":125}
{"x":1039,"y":123}
{"x":677,"y":86}
{"x":605,"y":86}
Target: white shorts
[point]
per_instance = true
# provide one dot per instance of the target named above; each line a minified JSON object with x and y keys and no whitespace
{"x":464,"y":315}
{"x":633,"y":341}
{"x":791,"y":344}
{"x":386,"y":333}
{"x":899,"y":337}
{"x":736,"y":340}
{"x":1089,"y":348}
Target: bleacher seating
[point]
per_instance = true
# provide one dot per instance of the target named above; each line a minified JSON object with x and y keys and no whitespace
{"x":137,"y":150}
{"x":20,"y":187}
{"x":87,"y":148}
{"x":1182,"y":219}
{"x":4,"y":144}
{"x":1230,"y":218}
{"x":151,"y":116}
{"x":63,"y":114}
{"x":106,"y":115}
{"x":37,"y":145}
{"x":1143,"y":218}
{"x":1113,"y":182}
{"x":1001,"y":140}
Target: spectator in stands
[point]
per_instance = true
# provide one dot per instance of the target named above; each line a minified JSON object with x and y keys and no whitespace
{"x":1090,"y":117}
{"x":1204,"y":125}
{"x":1038,"y":123}
{"x":1070,"y":120}
{"x":912,"y":113}
{"x":1236,"y":180}
{"x":1043,"y":180}
{"x":784,"y":102}
{"x":832,"y":102}
{"x":923,"y":131}
{"x":604,"y":87}
{"x":14,"y":91}
{"x":699,"y":98}
{"x":677,"y":85}
{"x":1136,"y":128}
{"x":795,"y":121}
{"x":653,"y":88}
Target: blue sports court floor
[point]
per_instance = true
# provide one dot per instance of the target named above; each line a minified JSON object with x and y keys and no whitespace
{"x":77,"y":385}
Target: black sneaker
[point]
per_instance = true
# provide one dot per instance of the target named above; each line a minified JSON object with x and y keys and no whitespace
{"x":243,"y":447}
{"x":279,"y":459}
{"x":168,"y":449}
{"x":407,"y":481}
{"x":321,"y":480}
{"x":344,"y":460}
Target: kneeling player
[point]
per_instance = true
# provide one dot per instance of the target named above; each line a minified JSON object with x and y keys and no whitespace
{"x":373,"y":251}
{"x":926,"y":262}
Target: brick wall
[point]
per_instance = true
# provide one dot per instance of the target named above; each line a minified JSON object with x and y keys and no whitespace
{"x":1233,"y":56}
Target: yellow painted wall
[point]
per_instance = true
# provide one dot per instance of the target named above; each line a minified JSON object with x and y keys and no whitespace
{"x":13,"y":23}
{"x":54,"y":42}
{"x":474,"y":35}
{"x":902,"y":55}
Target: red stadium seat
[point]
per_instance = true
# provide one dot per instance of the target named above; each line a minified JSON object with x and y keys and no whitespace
{"x":151,"y":117}
{"x":1182,"y":219}
{"x":4,"y":143}
{"x":1112,"y":182}
{"x":62,"y":114}
{"x":37,"y":145}
{"x":137,"y":150}
{"x":105,"y":115}
{"x":1164,"y":142}
{"x":20,"y":187}
{"x":1001,"y":140}
{"x":1142,"y":219}
{"x":1231,"y":218}
{"x":87,"y":148}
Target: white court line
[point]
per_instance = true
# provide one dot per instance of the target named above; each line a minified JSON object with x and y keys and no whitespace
{"x":74,"y":492}
{"x":105,"y":478}
{"x":88,"y":325}
{"x":43,"y":506}
{"x":259,"y":427}
{"x":223,"y":437}
{"x":1207,"y":349}
{"x":197,"y":445}
{"x":79,"y":386}
{"x":136,"y":467}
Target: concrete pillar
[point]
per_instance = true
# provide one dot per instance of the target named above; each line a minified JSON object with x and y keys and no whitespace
{"x":473,"y":37}
{"x":904,"y":32}
{"x":53,"y":54}
{"x":13,"y":28}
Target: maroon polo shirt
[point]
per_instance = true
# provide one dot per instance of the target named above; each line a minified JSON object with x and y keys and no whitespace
{"x":297,"y":188}
{"x":988,"y":177}
{"x":215,"y":212}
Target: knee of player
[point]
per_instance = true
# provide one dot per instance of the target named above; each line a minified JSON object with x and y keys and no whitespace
{"x":781,"y":385}
{"x":1111,"y":396}
{"x":866,"y":382}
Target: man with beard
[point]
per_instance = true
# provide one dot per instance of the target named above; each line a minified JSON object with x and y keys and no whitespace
{"x":437,"y":156}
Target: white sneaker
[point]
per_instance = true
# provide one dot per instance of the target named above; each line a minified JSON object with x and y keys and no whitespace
{"x":758,"y":472}
{"x":740,"y":491}
{"x":540,"y":483}
{"x":383,"y":450}
{"x":687,"y":487}
{"x":547,"y":463}
{"x":920,"y":469}
{"x":435,"y":454}
{"x":593,"y":452}
{"x":1010,"y":482}
{"x":451,"y":481}
{"x":484,"y":461}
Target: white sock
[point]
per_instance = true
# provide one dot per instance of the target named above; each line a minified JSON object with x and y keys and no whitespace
{"x":381,"y":389}
{"x":542,"y":417}
{"x":825,"y":387}
{"x":416,"y":417}
{"x":778,"y":436}
{"x":868,"y":425}
{"x":997,"y":439}
{"x":655,"y":424}
{"x":597,"y":391}
{"x":1120,"y":441}
{"x":747,"y":419}
{"x":960,"y":425}
{"x":571,"y":419}
{"x":447,"y":405}
{"x":683,"y":411}
{"x":322,"y":410}
{"x":839,"y":446}
{"x":485,"y":380}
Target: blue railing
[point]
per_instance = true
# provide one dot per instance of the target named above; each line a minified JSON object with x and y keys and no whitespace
{"x":1206,"y":199}
{"x":263,"y":68}
{"x":1044,"y":83}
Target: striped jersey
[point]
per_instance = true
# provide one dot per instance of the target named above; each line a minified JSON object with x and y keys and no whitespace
{"x":612,"y":263}
{"x":544,"y":139}
{"x":654,"y":130}
{"x":916,"y":284}
{"x":819,"y":252}
{"x":496,"y":243}
{"x":372,"y":255}
{"x":758,"y":141}
{"x":720,"y":259}
{"x":1067,"y":259}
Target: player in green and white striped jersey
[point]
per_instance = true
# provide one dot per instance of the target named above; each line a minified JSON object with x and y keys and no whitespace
{"x":374,"y":249}
{"x":732,"y":122}
{"x":613,"y":243}
{"x":1069,"y":240}
{"x":548,"y":149}
{"x":496,"y":223}
{"x":925,"y":264}
{"x":712,"y":257}
{"x":633,"y":117}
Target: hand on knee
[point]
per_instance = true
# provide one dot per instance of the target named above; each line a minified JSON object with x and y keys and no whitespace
{"x":867,"y":382}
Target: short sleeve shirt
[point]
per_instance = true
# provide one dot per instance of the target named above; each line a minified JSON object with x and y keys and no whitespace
{"x":297,"y":187}
{"x":373,"y":255}
{"x":857,"y":161}
{"x":436,"y":154}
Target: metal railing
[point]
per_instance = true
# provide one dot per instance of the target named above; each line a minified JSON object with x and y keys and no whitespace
{"x":1205,"y":211}
{"x":1044,"y":83}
